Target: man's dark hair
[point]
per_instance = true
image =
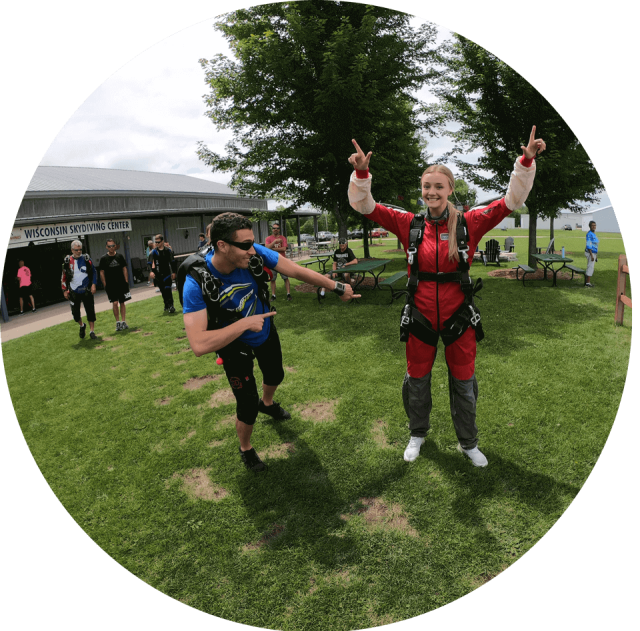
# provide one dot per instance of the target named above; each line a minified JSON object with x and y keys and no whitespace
{"x":591,"y":224}
{"x":224,"y":226}
{"x":201,"y":235}
{"x":159,"y":236}
{"x":110,"y":241}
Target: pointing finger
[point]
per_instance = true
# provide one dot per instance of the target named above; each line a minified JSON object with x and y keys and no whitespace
{"x":355,"y":144}
{"x":532,"y":137}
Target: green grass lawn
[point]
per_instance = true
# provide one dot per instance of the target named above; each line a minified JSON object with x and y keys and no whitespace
{"x":340,"y":532}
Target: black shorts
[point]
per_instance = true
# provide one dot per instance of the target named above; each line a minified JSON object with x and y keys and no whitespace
{"x":25,"y":292}
{"x":238,"y":366}
{"x":118,"y":292}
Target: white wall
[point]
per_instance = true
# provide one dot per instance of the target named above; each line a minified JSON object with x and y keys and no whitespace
{"x":604,"y":217}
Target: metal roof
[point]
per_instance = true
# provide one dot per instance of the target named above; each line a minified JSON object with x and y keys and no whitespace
{"x":85,"y":179}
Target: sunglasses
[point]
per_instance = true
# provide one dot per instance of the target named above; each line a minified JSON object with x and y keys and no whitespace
{"x":244,"y":245}
{"x":111,"y":246}
{"x":158,"y":241}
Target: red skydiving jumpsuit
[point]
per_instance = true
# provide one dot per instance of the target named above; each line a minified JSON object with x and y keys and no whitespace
{"x":439,"y":301}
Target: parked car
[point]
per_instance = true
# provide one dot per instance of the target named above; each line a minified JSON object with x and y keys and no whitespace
{"x":379,"y":232}
{"x":324,"y":236}
{"x":306,"y":237}
{"x":567,"y":226}
{"x":355,"y":234}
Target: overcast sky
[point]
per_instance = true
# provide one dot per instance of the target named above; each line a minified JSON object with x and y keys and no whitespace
{"x":149,"y":115}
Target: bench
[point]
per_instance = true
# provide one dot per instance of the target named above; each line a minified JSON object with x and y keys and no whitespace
{"x":526,"y":269}
{"x":576,"y":270}
{"x":388,"y":282}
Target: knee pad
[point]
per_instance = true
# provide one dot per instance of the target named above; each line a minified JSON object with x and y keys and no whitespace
{"x":416,"y":397}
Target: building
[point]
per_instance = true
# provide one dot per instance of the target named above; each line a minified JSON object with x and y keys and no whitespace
{"x":66,"y":203}
{"x":604,"y":217}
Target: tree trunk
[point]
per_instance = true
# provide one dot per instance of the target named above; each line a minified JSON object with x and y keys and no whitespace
{"x":341,"y":217}
{"x":533,"y":218}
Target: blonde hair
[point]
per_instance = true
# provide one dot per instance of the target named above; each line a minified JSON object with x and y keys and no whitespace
{"x":452,"y":224}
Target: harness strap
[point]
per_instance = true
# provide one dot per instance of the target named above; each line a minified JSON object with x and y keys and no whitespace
{"x":441,"y":277}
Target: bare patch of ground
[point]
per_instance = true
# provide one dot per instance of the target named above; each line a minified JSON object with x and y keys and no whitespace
{"x":148,"y":333}
{"x":221,"y":397}
{"x":112,"y":367}
{"x":182,"y":361}
{"x":182,"y":337}
{"x":156,"y":375}
{"x":182,"y":350}
{"x":135,"y":331}
{"x":125,"y":396}
{"x":228,"y":420}
{"x":164,"y":401}
{"x":290,"y":369}
{"x":267,"y":538}
{"x":379,"y":514}
{"x":376,"y":620}
{"x":313,"y":587}
{"x":216,"y":443}
{"x":115,"y":348}
{"x":318,"y":412}
{"x":98,"y":347}
{"x":278,"y":451}
{"x":197,"y":484}
{"x":379,"y":436}
{"x":159,"y":448}
{"x":393,"y":251}
{"x":191,"y":434}
{"x":108,"y":339}
{"x":197,"y":382}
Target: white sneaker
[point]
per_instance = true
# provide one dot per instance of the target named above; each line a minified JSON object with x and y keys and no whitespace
{"x":477,"y":457}
{"x":413,"y":448}
{"x":117,"y":326}
{"x":123,"y":325}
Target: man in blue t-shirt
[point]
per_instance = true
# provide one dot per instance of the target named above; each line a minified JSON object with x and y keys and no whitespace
{"x":249,"y":331}
{"x":591,"y":252}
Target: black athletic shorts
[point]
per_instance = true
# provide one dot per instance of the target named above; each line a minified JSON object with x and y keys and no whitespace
{"x":75,"y":300}
{"x":25,"y":292}
{"x":238,"y":366}
{"x":118,"y":292}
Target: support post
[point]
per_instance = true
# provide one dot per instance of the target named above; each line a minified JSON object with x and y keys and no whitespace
{"x":621,"y":296}
{"x":127,"y":256}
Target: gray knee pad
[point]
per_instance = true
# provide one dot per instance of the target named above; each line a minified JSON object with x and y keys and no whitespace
{"x":416,"y":397}
{"x":463,"y":395}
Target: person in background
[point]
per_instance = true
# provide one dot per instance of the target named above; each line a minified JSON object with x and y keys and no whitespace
{"x":162,"y":271}
{"x":25,"y":289}
{"x":79,"y":279}
{"x":342,"y":257}
{"x":115,"y":280}
{"x":591,"y":252}
{"x":149,"y":261}
{"x":276,"y":242}
{"x":202,"y":241}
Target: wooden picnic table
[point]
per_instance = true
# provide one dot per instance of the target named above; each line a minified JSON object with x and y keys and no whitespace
{"x":549,"y":260}
{"x":320,"y":259}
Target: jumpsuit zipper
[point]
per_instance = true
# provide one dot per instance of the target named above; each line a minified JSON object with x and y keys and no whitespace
{"x":437,"y":284}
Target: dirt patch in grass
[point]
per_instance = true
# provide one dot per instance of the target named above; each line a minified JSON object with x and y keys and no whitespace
{"x":216,"y":443}
{"x":318,"y":412}
{"x":267,"y":538}
{"x":115,"y":348}
{"x":278,"y":451}
{"x":182,"y":350}
{"x":228,"y":420}
{"x":108,"y":339}
{"x":191,"y":434}
{"x":197,"y":484}
{"x":197,"y":382}
{"x":221,"y":397}
{"x":135,"y":331}
{"x":164,"y":401}
{"x":393,"y":251}
{"x":148,"y":333}
{"x":290,"y":369}
{"x":125,"y":396}
{"x":182,"y":337}
{"x":182,"y":361}
{"x":112,"y":367}
{"x":377,"y":620}
{"x":101,"y":346}
{"x":379,"y":436}
{"x":156,"y":375}
{"x":379,"y":514}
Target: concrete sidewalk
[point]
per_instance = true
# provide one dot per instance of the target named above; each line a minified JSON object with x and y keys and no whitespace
{"x":51,"y":315}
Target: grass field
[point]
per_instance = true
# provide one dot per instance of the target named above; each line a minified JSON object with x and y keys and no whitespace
{"x":340,"y":532}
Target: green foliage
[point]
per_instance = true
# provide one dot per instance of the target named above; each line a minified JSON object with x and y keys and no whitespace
{"x":306,"y":78}
{"x":494,"y":108}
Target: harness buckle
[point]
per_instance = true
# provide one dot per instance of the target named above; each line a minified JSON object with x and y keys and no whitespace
{"x":475,"y":317}
{"x":411,"y":252}
{"x":464,"y":251}
{"x":405,"y":320}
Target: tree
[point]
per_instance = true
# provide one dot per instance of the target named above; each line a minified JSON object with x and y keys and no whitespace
{"x":463,"y":194}
{"x":307,"y":78}
{"x":495,"y":109}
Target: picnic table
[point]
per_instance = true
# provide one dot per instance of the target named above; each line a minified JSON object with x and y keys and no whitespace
{"x":367,"y":267}
{"x":549,"y":260}
{"x":320,"y":259}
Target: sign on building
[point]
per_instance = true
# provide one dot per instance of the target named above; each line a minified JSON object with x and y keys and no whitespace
{"x":65,"y":231}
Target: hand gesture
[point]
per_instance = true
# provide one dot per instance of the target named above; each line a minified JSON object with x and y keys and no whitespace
{"x":535,"y":146}
{"x":256,"y":322}
{"x":358,"y":159}
{"x":348,"y":292}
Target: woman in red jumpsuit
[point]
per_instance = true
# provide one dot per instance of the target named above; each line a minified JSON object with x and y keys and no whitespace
{"x":438,"y":301}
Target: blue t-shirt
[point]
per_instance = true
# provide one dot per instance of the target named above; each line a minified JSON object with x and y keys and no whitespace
{"x":592,"y":242}
{"x":239,"y":292}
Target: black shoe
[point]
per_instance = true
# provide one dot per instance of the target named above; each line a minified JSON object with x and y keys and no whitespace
{"x":93,"y":336}
{"x":273,"y":297}
{"x":21,"y":313}
{"x":33,"y":310}
{"x":274,"y":411}
{"x":288,"y":296}
{"x":252,"y":460}
{"x":172,"y":309}
{"x":321,"y":297}
{"x":83,"y":330}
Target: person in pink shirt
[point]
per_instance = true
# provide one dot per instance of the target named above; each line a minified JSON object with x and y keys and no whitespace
{"x":26,"y":292}
{"x":276,"y":242}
